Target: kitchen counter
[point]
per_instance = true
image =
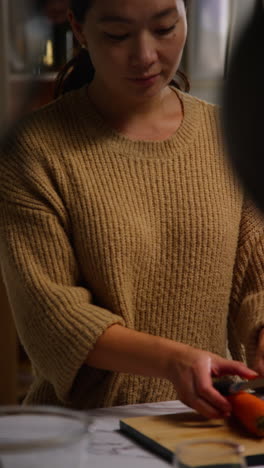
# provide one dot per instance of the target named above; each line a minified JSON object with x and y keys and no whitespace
{"x":109,"y":448}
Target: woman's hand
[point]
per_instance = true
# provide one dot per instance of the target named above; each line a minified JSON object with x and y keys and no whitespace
{"x":191,"y":372}
{"x":120,"y":349}
{"x":258,"y":365}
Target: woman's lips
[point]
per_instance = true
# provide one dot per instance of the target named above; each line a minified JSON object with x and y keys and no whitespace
{"x":148,"y":80}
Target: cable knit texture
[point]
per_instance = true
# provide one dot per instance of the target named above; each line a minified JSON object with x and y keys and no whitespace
{"x":97,"y":229}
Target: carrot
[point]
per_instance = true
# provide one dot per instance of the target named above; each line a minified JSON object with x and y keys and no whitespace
{"x":249,"y":410}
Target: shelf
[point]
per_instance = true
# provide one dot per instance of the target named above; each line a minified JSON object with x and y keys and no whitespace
{"x":22,"y":77}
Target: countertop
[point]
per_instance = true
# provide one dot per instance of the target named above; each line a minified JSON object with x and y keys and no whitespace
{"x":109,"y":448}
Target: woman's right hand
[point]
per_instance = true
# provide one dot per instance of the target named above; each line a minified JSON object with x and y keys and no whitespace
{"x":191,"y":371}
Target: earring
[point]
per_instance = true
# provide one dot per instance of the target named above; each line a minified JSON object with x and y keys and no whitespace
{"x":83,"y":46}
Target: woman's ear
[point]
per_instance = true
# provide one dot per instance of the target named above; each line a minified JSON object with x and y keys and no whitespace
{"x":76,"y":29}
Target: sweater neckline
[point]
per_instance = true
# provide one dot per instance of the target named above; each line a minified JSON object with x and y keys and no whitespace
{"x":180,"y":139}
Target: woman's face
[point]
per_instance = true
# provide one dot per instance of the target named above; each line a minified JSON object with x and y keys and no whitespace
{"x":135,"y":45}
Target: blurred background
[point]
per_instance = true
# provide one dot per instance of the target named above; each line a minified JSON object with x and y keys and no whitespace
{"x":35,"y":42}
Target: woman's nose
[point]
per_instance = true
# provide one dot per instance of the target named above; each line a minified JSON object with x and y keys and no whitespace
{"x":144,"y":52}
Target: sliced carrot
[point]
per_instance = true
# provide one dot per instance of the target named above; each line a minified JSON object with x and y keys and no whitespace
{"x":249,"y":410}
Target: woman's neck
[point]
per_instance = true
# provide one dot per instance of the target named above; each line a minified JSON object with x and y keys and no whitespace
{"x":157,"y":116}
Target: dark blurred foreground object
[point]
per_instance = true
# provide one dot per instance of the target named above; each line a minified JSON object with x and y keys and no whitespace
{"x":243,"y":106}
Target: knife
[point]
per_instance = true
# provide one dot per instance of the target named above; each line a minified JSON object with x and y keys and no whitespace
{"x":227,"y":386}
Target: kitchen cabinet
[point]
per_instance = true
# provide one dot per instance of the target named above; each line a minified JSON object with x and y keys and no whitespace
{"x":34,"y":45}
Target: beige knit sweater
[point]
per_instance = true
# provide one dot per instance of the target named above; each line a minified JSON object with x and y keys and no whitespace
{"x":97,"y":229}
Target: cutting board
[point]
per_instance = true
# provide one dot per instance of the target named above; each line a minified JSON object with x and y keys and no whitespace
{"x":161,"y":434}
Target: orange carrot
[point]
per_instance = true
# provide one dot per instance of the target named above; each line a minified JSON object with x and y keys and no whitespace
{"x":249,"y":410}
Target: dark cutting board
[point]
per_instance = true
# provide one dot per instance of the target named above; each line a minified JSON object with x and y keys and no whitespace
{"x":161,"y":434}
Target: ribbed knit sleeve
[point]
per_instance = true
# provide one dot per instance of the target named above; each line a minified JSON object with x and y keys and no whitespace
{"x":54,"y":312}
{"x":247,"y":298}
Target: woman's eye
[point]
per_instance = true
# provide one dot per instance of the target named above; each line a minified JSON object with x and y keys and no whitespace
{"x":164,"y":31}
{"x":116,"y":37}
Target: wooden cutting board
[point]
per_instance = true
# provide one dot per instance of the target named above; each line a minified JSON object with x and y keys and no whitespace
{"x":161,"y":434}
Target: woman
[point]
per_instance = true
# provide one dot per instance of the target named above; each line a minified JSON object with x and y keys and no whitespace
{"x":130,"y":258}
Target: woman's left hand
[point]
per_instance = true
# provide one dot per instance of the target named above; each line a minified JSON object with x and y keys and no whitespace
{"x":259,"y":359}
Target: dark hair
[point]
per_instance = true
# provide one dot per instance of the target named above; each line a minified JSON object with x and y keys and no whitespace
{"x":80,"y":71}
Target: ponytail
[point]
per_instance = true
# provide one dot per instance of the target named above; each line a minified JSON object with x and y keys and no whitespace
{"x":181,"y":82}
{"x":75,"y":73}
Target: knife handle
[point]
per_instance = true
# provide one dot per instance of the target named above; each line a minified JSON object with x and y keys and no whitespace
{"x":223,"y":385}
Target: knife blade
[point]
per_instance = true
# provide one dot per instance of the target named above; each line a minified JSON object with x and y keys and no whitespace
{"x":251,"y":384}
{"x":227,"y":386}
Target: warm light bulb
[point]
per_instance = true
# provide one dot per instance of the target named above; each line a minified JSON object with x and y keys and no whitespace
{"x":48,"y":58}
